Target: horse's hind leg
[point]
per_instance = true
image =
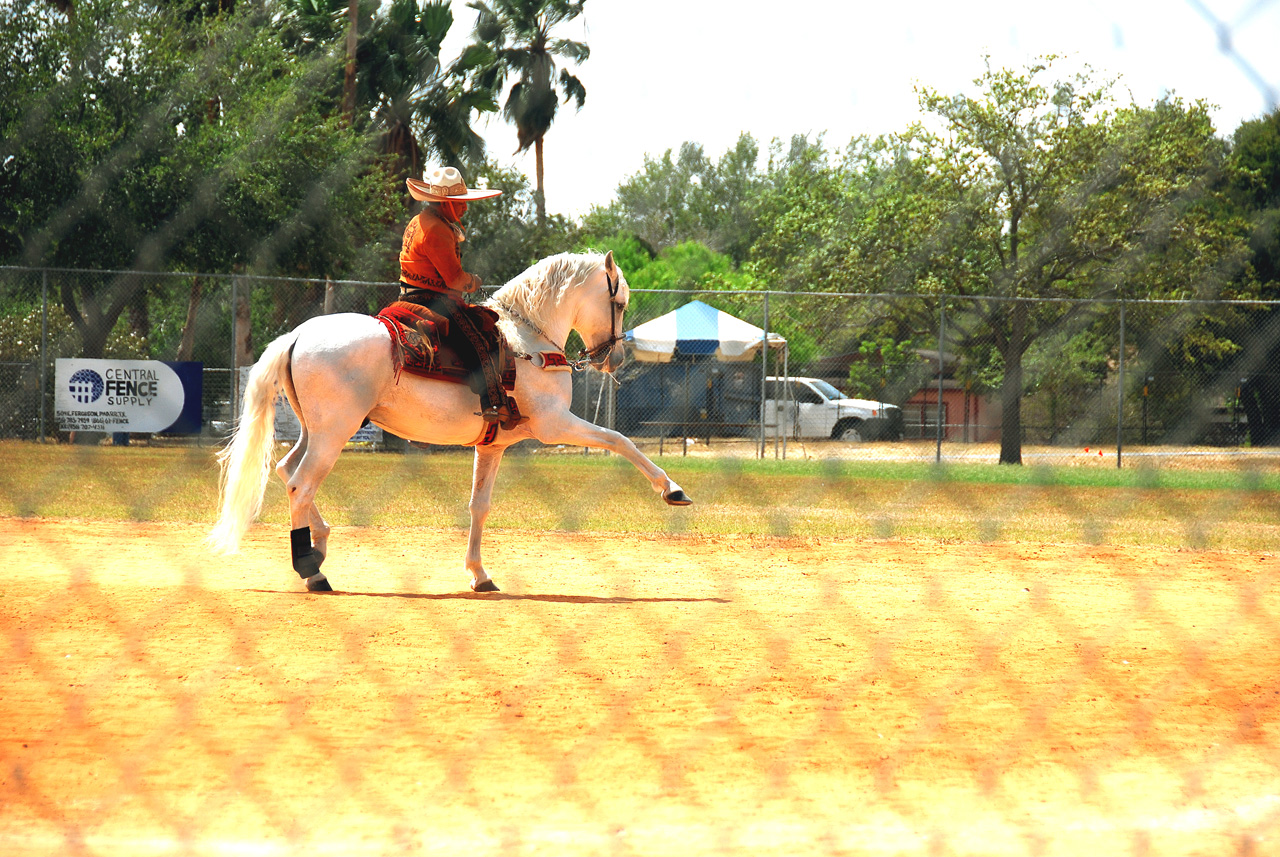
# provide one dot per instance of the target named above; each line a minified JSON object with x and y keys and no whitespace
{"x":310,"y":531}
{"x":311,"y":468}
{"x":302,"y":470}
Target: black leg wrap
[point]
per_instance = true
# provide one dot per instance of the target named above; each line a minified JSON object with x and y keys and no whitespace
{"x":306,"y":559}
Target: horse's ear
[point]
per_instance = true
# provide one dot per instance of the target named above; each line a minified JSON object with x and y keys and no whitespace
{"x":609,"y":265}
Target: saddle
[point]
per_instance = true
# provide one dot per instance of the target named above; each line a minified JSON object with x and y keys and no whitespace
{"x":431,"y":345}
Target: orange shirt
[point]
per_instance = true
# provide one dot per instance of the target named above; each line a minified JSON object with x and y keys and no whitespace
{"x":429,"y":256}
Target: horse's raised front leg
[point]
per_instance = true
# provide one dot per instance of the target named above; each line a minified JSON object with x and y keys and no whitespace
{"x":485,"y":472}
{"x":573,"y":431}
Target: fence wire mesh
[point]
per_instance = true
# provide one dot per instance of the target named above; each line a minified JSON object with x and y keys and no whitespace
{"x":844,"y":646}
{"x":865,"y":637}
{"x":1103,"y":374}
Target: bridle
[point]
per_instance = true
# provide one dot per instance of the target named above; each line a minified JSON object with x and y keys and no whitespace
{"x":599,"y":354}
{"x":595,"y":356}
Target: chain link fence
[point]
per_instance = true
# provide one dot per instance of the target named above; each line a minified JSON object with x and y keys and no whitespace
{"x":846,"y":375}
{"x":862,"y":639}
{"x":843,"y":647}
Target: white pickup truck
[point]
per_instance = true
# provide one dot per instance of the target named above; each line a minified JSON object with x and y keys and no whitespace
{"x":812,"y":408}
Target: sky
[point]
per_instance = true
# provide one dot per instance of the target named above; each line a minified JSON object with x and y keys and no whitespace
{"x":663,"y":72}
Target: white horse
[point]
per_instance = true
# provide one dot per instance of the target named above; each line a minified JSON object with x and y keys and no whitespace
{"x":338,"y":370}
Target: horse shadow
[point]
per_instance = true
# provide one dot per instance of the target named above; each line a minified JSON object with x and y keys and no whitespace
{"x":501,"y":596}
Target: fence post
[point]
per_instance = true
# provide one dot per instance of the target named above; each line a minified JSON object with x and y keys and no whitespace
{"x":611,"y":408}
{"x":586,"y":403}
{"x":942,"y":336}
{"x":44,"y":347}
{"x":777,"y":418}
{"x":1120,"y":393}
{"x":330,"y":296}
{"x":764,"y":370}
{"x":235,"y":376}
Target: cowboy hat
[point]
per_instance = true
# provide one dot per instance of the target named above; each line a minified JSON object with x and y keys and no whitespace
{"x":445,"y":184}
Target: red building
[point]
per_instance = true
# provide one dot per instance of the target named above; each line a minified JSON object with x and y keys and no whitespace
{"x":967,"y":417}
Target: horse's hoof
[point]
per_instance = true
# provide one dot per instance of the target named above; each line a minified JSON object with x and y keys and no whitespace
{"x":318,"y":585}
{"x":487,"y":586}
{"x":677,"y":498}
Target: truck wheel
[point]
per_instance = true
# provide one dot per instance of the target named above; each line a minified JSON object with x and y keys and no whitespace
{"x":849,"y":431}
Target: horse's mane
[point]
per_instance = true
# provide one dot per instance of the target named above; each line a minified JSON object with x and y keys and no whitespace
{"x":538,"y":290}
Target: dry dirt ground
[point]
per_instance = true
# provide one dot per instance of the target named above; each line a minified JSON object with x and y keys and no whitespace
{"x":633,"y":695}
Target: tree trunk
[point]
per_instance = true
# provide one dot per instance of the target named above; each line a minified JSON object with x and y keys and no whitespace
{"x":88,"y":318}
{"x":398,"y":142}
{"x":349,"y":78}
{"x":1260,"y":397}
{"x":243,"y":337}
{"x":538,"y":194}
{"x":93,"y":340}
{"x":1011,"y":387}
{"x":140,"y":315}
{"x":1011,"y":411}
{"x":187,"y":346}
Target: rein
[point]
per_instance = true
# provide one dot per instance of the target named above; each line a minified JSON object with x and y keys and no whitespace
{"x":596,"y":356}
{"x":586,"y":357}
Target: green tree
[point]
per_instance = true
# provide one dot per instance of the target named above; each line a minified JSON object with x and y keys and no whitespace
{"x":665,"y":203}
{"x":399,"y":68}
{"x":835,"y":222}
{"x":1061,"y":198}
{"x":688,"y":197}
{"x":737,"y":185}
{"x":503,"y":237}
{"x":1029,"y":190}
{"x":1255,"y":151}
{"x":515,"y":38}
{"x":889,"y":368}
{"x":417,"y":107}
{"x":807,"y":202}
{"x":113,"y":106}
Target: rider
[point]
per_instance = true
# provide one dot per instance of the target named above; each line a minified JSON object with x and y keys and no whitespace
{"x":431,"y":273}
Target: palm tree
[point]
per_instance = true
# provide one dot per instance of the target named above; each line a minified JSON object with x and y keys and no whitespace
{"x":518,"y":36}
{"x":310,"y":26}
{"x":444,"y":113}
{"x":400,"y":84}
{"x":399,"y":69}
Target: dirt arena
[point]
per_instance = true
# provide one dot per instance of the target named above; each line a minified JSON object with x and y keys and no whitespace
{"x":633,"y":695}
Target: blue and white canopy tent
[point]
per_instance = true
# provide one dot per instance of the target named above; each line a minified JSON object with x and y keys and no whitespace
{"x":699,"y":337}
{"x":701,"y":330}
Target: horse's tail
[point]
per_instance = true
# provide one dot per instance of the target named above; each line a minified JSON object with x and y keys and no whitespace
{"x":246,"y":461}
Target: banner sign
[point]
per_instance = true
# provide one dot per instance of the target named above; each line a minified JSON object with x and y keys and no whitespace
{"x":128,"y":396}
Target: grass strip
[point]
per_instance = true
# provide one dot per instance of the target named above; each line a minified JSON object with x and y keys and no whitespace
{"x":1235,"y":509}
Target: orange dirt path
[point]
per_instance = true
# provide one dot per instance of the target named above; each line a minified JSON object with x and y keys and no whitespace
{"x":632,"y":695}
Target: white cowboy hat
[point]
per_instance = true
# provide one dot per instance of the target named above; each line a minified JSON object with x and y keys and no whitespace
{"x":445,"y":184}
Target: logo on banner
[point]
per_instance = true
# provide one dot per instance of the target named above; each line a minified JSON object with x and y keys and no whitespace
{"x":126,"y":395}
{"x":86,"y":386}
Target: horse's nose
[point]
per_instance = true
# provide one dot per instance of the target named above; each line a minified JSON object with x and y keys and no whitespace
{"x":617,"y":356}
